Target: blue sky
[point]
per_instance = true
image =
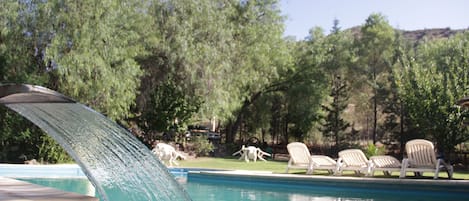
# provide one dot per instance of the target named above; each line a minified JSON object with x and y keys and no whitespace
{"x":302,"y":15}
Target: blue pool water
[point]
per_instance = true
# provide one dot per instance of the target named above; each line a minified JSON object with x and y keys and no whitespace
{"x":225,"y":188}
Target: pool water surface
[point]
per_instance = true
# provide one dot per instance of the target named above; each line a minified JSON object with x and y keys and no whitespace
{"x":208,"y":188}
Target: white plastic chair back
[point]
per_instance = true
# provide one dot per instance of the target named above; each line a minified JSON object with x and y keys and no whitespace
{"x":421,"y":153}
{"x":353,"y":157}
{"x":299,"y":153}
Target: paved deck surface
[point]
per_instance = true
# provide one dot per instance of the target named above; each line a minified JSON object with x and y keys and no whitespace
{"x":14,"y":190}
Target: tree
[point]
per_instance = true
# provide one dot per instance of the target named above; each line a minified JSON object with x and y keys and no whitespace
{"x":335,"y":126}
{"x":304,"y":87}
{"x":395,"y":126}
{"x":191,"y":46}
{"x":92,"y":50}
{"x":23,"y":42}
{"x":259,"y":58}
{"x":374,"y":53}
{"x":171,"y":109}
{"x":431,"y":85}
{"x":338,"y":57}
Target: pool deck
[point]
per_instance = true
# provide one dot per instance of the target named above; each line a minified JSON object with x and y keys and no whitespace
{"x":14,"y":190}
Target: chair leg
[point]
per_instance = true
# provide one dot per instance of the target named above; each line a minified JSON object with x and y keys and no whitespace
{"x":403,"y":172}
{"x":387,"y":173}
{"x":437,"y":172}
{"x":338,"y":166}
{"x":338,"y":172}
{"x":403,"y":168}
{"x":449,"y":171}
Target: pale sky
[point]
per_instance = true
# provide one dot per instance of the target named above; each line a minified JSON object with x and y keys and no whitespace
{"x":302,"y":15}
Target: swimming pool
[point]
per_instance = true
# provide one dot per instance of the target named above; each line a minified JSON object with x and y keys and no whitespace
{"x":229,"y":186}
{"x":201,"y":188}
{"x":261,"y":186}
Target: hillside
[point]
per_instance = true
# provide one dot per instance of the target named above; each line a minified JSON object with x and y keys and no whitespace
{"x":418,"y":35}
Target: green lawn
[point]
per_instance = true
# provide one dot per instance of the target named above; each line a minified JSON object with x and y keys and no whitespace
{"x":277,"y":167}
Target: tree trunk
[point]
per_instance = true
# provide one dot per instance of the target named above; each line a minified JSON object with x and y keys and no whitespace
{"x":263,"y":135}
{"x":235,"y":126}
{"x":375,"y":105}
{"x":286,"y":129}
{"x":229,"y":135}
{"x":401,"y":137}
{"x":375,"y":118}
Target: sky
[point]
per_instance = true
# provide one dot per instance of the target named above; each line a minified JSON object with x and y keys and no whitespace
{"x":302,"y":15}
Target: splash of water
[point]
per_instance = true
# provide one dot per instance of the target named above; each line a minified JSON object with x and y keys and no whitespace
{"x":118,"y":165}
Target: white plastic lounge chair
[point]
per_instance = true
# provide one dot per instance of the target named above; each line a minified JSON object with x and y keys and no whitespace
{"x":300,"y":158}
{"x":387,"y":164}
{"x":354,"y":159}
{"x":251,"y":153}
{"x":421,"y":158}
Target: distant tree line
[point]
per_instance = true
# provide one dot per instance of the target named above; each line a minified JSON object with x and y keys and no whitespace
{"x":158,"y":66}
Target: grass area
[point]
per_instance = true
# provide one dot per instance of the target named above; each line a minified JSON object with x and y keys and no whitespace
{"x":280,"y":166}
{"x":235,"y":164}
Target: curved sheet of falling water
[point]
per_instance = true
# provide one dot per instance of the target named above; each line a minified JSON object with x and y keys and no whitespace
{"x":118,"y":165}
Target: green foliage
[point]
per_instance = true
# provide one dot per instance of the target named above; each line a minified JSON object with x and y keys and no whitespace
{"x":20,"y":140}
{"x":157,"y":61}
{"x":394,"y":124}
{"x":338,"y":58}
{"x":335,"y":126}
{"x":375,"y":53}
{"x":430,"y":86}
{"x":21,"y":46}
{"x":373,"y":150}
{"x":15,"y":130}
{"x":193,"y":50}
{"x":304,"y":85}
{"x":51,"y":152}
{"x":93,"y":49}
{"x":202,"y":146}
{"x":169,"y":109}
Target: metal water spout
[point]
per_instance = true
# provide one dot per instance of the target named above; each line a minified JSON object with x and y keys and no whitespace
{"x":116,"y":162}
{"x":22,"y":93}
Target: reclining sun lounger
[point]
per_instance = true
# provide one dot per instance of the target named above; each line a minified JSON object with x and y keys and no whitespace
{"x":421,"y":158}
{"x":300,"y":158}
{"x":387,"y":164}
{"x":354,"y":159}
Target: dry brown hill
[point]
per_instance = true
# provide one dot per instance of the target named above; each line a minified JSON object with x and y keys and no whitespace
{"x":430,"y":34}
{"x":418,"y":35}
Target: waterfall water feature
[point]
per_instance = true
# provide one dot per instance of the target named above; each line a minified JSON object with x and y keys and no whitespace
{"x":118,"y":165}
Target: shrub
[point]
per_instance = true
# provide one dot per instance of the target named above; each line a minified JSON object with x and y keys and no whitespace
{"x":373,"y":150}
{"x":202,"y":146}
